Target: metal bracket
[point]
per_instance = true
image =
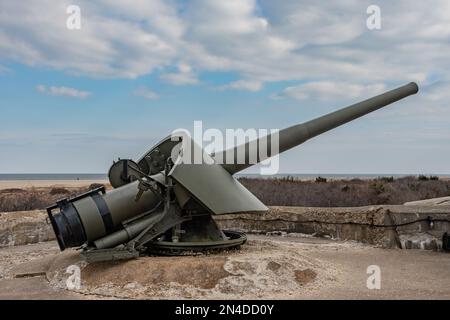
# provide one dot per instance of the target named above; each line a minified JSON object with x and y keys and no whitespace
{"x":171,"y":219}
{"x":100,"y":255}
{"x":145,"y":185}
{"x":64,"y":202}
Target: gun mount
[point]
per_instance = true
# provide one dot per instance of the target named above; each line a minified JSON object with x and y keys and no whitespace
{"x":161,"y":205}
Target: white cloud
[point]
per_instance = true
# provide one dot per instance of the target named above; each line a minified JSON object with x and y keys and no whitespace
{"x":327,"y":90}
{"x":249,"y":85}
{"x":146,"y":93}
{"x":113,"y":41}
{"x":63,"y":91}
{"x":265,"y":40}
{"x":184,"y":76}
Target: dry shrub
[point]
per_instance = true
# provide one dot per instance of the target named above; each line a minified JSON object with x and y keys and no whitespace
{"x":345,"y":193}
{"x":12,"y":190}
{"x":93,"y":186}
{"x":33,"y":198}
{"x":275,"y":192}
{"x":57,"y":190}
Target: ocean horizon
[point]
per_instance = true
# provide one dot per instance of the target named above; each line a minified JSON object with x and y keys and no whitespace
{"x":104,"y":176}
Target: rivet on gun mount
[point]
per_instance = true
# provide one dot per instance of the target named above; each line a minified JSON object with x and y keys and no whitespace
{"x":163,"y":206}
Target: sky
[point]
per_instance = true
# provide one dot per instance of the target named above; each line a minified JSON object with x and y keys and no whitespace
{"x":73,"y":100}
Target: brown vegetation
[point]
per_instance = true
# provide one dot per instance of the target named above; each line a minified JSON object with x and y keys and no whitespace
{"x":286,"y":191}
{"x":15,"y":199}
{"x":345,"y":193}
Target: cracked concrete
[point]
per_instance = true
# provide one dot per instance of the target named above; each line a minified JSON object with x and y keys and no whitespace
{"x":268,"y":267}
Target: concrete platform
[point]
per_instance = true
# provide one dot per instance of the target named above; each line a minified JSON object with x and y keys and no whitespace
{"x":268,"y":267}
{"x":443,"y":201}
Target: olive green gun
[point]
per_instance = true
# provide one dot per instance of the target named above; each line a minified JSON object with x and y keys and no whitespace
{"x":162,"y":205}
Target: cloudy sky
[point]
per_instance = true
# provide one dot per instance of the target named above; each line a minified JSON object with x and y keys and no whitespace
{"x":74,"y":100}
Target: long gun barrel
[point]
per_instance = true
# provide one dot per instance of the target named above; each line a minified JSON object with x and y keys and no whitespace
{"x":295,"y":135}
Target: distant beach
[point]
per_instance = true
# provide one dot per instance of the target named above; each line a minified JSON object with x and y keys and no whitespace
{"x":43,"y":180}
{"x":52,"y":176}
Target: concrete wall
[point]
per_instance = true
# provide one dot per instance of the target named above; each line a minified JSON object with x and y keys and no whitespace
{"x":351,"y":224}
{"x":19,"y":228}
{"x":24,"y":227}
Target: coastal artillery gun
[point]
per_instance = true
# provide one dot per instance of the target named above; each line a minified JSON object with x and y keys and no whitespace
{"x":162,"y":204}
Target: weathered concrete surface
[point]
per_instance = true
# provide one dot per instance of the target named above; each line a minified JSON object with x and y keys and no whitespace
{"x":355,"y":223}
{"x":443,"y":201}
{"x":23,"y":272}
{"x":24,"y":227}
{"x":33,"y":288}
{"x":267,"y":267}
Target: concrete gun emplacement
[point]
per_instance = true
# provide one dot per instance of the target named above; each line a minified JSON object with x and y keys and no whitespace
{"x":161,"y":205}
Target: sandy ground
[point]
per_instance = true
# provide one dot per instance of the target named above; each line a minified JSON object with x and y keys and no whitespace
{"x":7,"y":184}
{"x":265,"y":268}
